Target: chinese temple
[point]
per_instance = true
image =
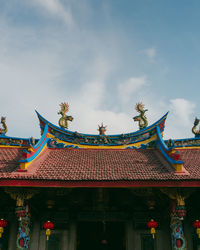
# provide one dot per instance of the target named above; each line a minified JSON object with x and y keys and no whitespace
{"x":73,"y":191}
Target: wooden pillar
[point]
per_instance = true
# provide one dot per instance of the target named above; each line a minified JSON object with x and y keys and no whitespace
{"x":72,"y":236}
{"x":42,"y":240}
{"x":65,"y":240}
{"x":12,"y":235}
{"x":34,"y":244}
{"x":129,"y":236}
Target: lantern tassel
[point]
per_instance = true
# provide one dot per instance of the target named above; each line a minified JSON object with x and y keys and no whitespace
{"x":198,"y":232}
{"x":48,"y":232}
{"x":1,"y":231}
{"x":153,"y":231}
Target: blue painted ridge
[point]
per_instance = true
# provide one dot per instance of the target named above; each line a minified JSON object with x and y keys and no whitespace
{"x":59,"y":144}
{"x":42,"y":137}
{"x":163,"y":148}
{"x":68,"y":132}
{"x":106,"y":144}
{"x":14,"y":138}
{"x":39,"y":146}
{"x":186,"y":141}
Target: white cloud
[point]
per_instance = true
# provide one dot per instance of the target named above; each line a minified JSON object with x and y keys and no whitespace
{"x":40,"y":68}
{"x":150,"y":53}
{"x":56,"y":8}
{"x":130,"y":87}
{"x":91,"y":94}
{"x":182,"y":110}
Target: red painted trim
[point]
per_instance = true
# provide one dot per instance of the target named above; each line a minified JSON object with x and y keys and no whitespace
{"x":49,"y":183}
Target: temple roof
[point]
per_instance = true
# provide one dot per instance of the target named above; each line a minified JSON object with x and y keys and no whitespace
{"x":64,"y":158}
{"x":80,"y":165}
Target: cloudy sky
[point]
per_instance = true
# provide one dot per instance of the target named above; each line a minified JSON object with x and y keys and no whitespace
{"x":102,"y":57}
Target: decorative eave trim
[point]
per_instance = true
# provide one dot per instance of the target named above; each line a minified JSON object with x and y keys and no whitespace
{"x":95,"y":184}
{"x":176,"y":164}
{"x":34,"y":150}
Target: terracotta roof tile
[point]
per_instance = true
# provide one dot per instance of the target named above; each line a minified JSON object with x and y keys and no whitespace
{"x":98,"y":165}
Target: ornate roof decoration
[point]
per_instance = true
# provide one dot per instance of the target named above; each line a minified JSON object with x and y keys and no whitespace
{"x":60,"y":137}
{"x":102,"y":129}
{"x":141,"y":118}
{"x":3,"y":130}
{"x":196,"y":131}
{"x":63,"y":121}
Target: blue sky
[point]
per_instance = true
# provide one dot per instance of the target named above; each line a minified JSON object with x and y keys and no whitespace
{"x":102,"y":57}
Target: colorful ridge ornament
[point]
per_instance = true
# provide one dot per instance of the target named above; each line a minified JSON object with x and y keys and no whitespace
{"x":63,"y":138}
{"x":196,"y":131}
{"x":102,"y":129}
{"x":63,"y":121}
{"x":141,"y":119}
{"x":3,"y":130}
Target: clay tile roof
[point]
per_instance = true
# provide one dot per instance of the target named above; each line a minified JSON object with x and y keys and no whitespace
{"x":9,"y":158}
{"x":98,"y":165}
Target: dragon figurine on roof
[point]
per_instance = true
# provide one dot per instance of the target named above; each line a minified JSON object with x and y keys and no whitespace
{"x":196,"y":131}
{"x":141,"y":118}
{"x":63,"y":121}
{"x":3,"y":130}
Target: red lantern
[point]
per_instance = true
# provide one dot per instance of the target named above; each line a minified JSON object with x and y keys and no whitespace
{"x":196,"y":225}
{"x":3,"y":223}
{"x":152,"y":225}
{"x":48,"y":226}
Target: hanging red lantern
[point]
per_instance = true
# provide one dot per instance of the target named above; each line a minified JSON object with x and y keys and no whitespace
{"x":152,"y":225}
{"x":3,"y":223}
{"x":196,"y":225}
{"x":48,"y":226}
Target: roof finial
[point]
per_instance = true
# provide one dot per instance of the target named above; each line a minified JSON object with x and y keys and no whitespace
{"x":102,"y":129}
{"x":143,"y":123}
{"x":3,"y":130}
{"x":64,"y":107}
{"x":196,"y":131}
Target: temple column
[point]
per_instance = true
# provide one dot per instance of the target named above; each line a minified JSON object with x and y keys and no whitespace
{"x":35,"y":235}
{"x":23,"y":215}
{"x":65,"y":240}
{"x":23,"y":235}
{"x":72,"y":236}
{"x":177,"y":214}
{"x":129,"y":236}
{"x":12,"y":235}
{"x":176,"y":224}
